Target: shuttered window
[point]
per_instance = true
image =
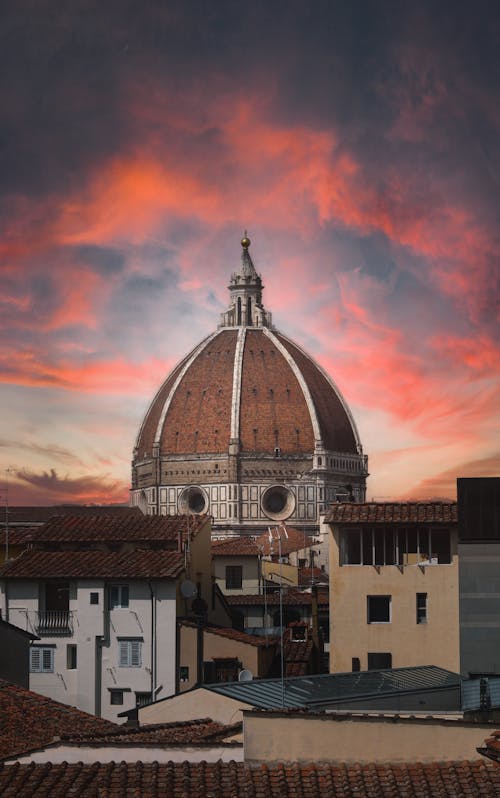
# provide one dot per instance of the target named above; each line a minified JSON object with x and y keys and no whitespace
{"x":130,"y":653}
{"x":41,"y":660}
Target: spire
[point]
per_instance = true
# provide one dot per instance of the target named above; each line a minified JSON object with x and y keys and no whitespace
{"x":246,"y":308}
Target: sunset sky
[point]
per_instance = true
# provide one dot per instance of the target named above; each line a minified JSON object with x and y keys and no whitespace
{"x":358,"y":142}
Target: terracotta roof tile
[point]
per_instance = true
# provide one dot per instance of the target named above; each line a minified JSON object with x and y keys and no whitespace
{"x":491,"y":747}
{"x":39,"y":515}
{"x":393,"y":512}
{"x":296,"y":541}
{"x":132,"y":527}
{"x":231,"y":634}
{"x":137,"y":564}
{"x":312,"y":575}
{"x":29,"y":720}
{"x":290,"y":596}
{"x":231,"y":779}
{"x":235,"y":547}
{"x":203,"y":730}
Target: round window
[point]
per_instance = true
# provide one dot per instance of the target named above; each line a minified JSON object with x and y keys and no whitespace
{"x":193,"y":500}
{"x":278,"y":502}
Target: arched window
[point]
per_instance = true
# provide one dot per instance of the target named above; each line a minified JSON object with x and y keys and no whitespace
{"x":239,"y":311}
{"x":249,"y":310}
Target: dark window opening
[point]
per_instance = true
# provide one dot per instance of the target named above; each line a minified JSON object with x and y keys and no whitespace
{"x":379,"y":609}
{"x":116,"y":697}
{"x":379,"y":661}
{"x":421,"y":607}
{"x":94,"y":598}
{"x":234,"y":577}
{"x":356,"y":665}
{"x":71,"y":657}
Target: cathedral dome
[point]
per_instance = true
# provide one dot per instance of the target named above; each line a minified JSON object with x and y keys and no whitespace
{"x":247,"y":409}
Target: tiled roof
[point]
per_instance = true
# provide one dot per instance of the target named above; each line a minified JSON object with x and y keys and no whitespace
{"x":231,"y":634}
{"x":296,"y":540}
{"x":188,"y":732}
{"x":230,"y":779}
{"x":132,"y":527}
{"x":297,"y":655}
{"x":39,"y":515}
{"x":491,"y":747}
{"x":273,"y":412}
{"x":290,"y":596}
{"x":29,"y":720}
{"x":139,"y":564}
{"x":18,"y":535}
{"x":235,"y":547}
{"x":393,"y":512}
{"x":312,"y":575}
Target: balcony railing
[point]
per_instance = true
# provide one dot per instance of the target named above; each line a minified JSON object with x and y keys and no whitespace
{"x":54,"y":623}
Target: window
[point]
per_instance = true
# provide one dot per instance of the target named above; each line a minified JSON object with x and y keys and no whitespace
{"x":184,"y":673}
{"x":379,"y":661}
{"x":141,"y":699}
{"x":395,"y":546}
{"x":379,"y":609}
{"x":421,"y":607}
{"x":356,"y":665}
{"x":130,"y":653}
{"x":118,"y":596}
{"x":71,"y":657}
{"x":41,"y":659}
{"x":94,"y":598}
{"x":234,"y":577}
{"x":116,"y":697}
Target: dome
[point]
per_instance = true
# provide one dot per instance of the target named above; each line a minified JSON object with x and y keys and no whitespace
{"x":247,"y":415}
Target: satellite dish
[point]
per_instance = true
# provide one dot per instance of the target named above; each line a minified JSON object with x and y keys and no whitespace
{"x":188,"y":589}
{"x":245,"y":675}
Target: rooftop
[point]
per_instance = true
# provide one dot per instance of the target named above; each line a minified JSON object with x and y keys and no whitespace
{"x":231,"y":634}
{"x":393,"y":512}
{"x":130,"y":527}
{"x":29,"y":720}
{"x":291,"y":596}
{"x":230,"y":779}
{"x":139,"y":564}
{"x":324,"y":690}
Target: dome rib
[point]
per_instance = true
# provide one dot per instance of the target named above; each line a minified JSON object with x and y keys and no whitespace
{"x":300,"y":379}
{"x":340,"y":438}
{"x":237,"y":378}
{"x":187,"y":363}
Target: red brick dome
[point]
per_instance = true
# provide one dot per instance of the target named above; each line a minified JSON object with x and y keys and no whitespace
{"x":247,"y":427}
{"x":251,"y":385}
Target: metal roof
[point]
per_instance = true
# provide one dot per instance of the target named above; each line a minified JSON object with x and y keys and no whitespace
{"x":326,"y":689}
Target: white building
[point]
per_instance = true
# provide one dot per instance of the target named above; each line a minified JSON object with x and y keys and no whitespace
{"x":106,"y":619}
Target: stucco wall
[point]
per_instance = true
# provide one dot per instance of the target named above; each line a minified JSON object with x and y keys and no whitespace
{"x":198,"y":703}
{"x":137,"y":753}
{"x":340,"y":738}
{"x":433,"y":643}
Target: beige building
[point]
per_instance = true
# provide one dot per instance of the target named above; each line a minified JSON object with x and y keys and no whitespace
{"x":393,"y":586}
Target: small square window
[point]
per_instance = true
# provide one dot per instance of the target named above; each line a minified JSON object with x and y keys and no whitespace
{"x":130,"y":653}
{"x":184,"y":673}
{"x":116,"y":697}
{"x":379,"y":661}
{"x":94,"y":598}
{"x":41,"y":659}
{"x":379,"y":609}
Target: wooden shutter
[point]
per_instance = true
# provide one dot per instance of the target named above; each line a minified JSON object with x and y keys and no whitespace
{"x":135,"y":653}
{"x":123,"y":658}
{"x":35,"y":660}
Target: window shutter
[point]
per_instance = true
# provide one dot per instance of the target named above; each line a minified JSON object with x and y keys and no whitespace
{"x":123,"y":654}
{"x":135,"y":653}
{"x":124,"y":596}
{"x":47,"y":660}
{"x":35,"y":660}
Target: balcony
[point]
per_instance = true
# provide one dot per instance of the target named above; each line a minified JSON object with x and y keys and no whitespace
{"x":54,"y":623}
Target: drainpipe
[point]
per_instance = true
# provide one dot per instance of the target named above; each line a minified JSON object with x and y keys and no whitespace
{"x":153,"y":642}
{"x":315,"y":623}
{"x":199,"y":649}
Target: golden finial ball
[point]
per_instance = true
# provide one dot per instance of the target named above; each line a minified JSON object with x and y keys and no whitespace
{"x":245,"y":241}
